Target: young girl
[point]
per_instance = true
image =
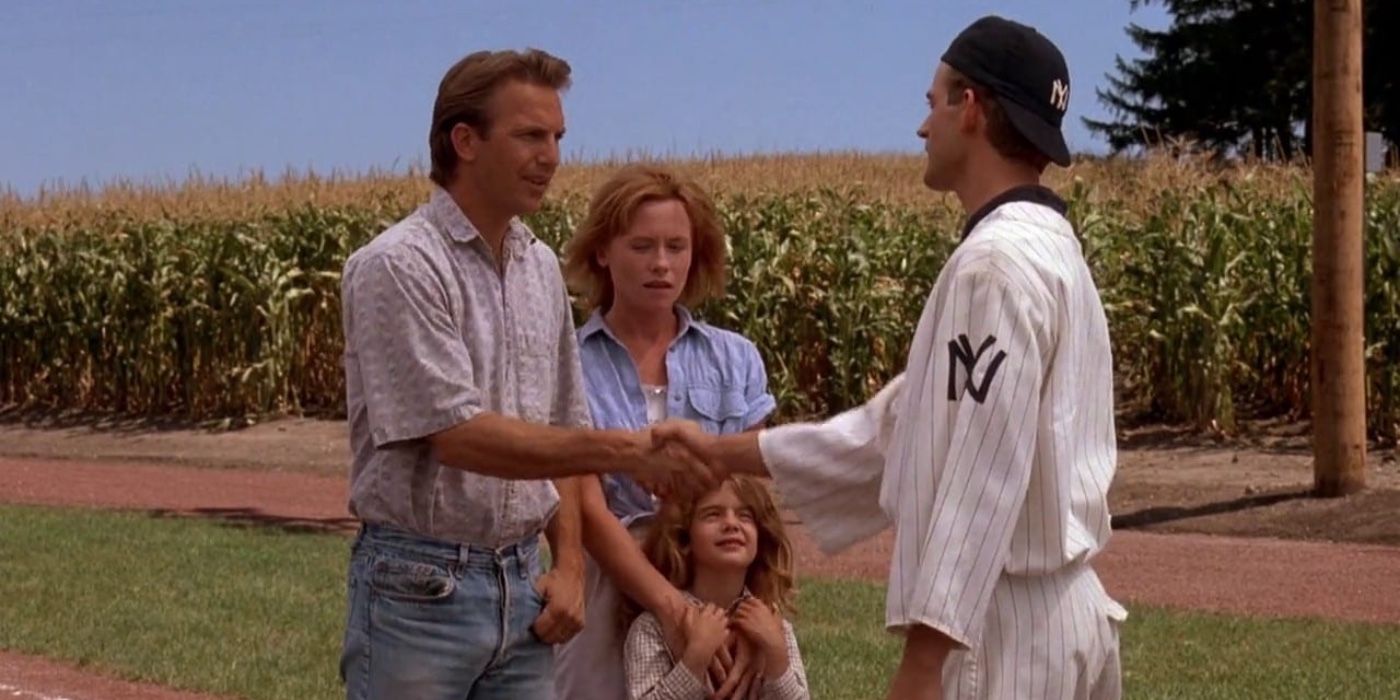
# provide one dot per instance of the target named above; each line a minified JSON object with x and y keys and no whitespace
{"x":651,"y":248}
{"x":730,"y":554}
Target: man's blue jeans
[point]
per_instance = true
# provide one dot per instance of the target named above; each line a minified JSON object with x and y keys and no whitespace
{"x":433,"y":620}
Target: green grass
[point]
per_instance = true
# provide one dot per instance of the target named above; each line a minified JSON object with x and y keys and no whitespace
{"x":196,"y":605}
{"x":840,"y":630}
{"x":1173,"y":655}
{"x":258,"y":613}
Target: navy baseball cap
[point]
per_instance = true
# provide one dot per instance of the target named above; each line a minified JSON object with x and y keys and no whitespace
{"x":1025,"y":71}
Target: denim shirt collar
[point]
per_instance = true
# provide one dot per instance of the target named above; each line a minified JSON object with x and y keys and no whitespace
{"x":596,"y":324}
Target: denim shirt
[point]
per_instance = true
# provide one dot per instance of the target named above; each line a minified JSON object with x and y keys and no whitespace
{"x":714,"y":377}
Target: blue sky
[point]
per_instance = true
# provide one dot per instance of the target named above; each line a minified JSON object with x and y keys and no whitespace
{"x":152,"y":89}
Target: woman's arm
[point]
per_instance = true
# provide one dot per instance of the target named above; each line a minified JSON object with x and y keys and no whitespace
{"x":622,"y":560}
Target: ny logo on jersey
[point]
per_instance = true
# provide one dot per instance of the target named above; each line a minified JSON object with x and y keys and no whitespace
{"x":1059,"y":95}
{"x":960,"y":352}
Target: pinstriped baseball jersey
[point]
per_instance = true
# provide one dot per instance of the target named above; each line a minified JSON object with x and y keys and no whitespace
{"x":996,"y":469}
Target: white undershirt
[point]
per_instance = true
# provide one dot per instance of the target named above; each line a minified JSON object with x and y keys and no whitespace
{"x":656,"y":402}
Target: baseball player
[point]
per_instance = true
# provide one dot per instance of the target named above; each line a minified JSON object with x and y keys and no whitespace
{"x":992,"y":453}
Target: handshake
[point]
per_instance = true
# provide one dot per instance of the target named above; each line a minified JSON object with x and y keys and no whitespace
{"x":676,"y":456}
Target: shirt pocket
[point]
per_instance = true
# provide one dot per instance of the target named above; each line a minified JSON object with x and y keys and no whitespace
{"x":536,"y":361}
{"x":537,"y":332}
{"x":718,"y":409}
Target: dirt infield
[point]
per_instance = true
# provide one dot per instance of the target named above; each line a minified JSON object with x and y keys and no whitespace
{"x":24,"y":677}
{"x":1168,"y":480}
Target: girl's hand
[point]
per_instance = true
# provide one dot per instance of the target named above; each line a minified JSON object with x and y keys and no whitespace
{"x":743,"y":681}
{"x":764,"y":627}
{"x":705,"y":629}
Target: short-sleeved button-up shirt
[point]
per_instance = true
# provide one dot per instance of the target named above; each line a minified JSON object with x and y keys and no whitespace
{"x":714,"y":377}
{"x":436,"y":333}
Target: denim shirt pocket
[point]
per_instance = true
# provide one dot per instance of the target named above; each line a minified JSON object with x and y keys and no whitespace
{"x":718,"y":409}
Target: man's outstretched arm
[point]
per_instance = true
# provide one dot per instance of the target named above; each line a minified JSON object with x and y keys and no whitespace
{"x":733,"y":454}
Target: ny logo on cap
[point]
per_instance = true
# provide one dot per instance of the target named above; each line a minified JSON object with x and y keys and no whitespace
{"x":1059,"y":95}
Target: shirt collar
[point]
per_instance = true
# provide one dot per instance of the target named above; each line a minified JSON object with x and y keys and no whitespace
{"x":450,"y":217}
{"x":1035,"y":194}
{"x":686,"y":322}
{"x":596,"y":324}
{"x":743,"y":595}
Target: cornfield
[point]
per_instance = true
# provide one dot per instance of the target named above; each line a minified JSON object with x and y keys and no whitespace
{"x":207,"y":299}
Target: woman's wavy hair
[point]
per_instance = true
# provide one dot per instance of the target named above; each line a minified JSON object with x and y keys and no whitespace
{"x":610,"y":214}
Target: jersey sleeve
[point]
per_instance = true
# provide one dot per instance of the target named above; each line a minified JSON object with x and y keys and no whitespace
{"x":830,"y":472}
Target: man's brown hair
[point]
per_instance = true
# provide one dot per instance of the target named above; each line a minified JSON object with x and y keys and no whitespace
{"x":465,"y":93}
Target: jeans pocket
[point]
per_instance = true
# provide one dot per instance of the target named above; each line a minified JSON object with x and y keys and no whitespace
{"x":411,"y":581}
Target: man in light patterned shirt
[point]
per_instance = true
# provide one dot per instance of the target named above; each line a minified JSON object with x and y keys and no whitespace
{"x":992,"y":454}
{"x":465,"y":398}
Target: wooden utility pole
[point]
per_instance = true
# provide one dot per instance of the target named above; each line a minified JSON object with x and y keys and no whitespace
{"x":1338,"y":367}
